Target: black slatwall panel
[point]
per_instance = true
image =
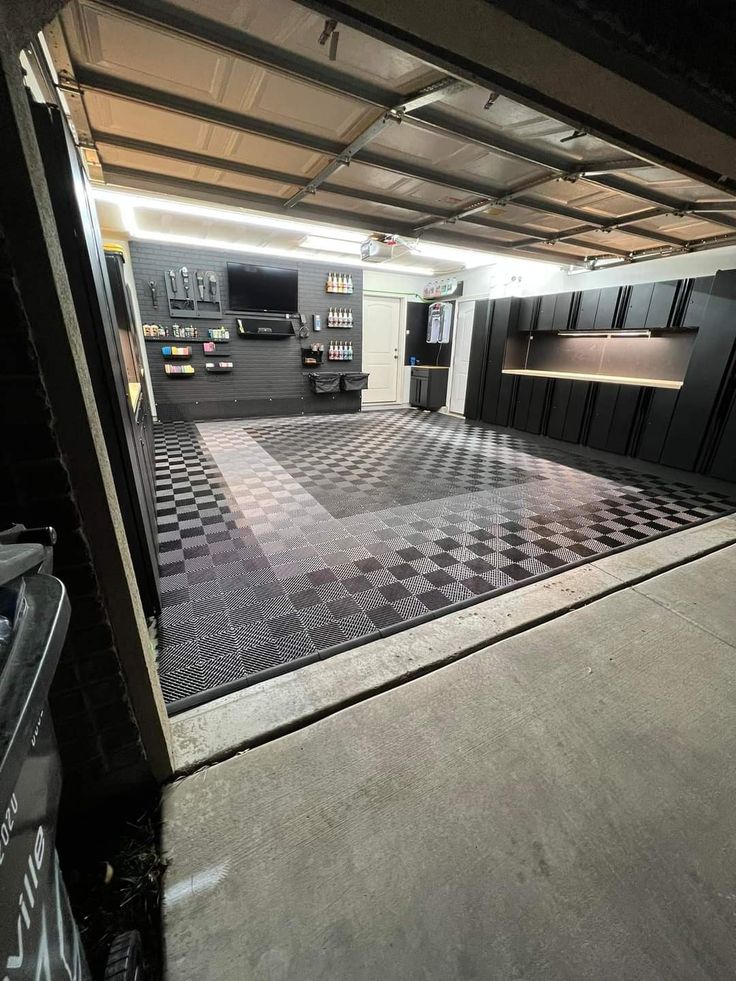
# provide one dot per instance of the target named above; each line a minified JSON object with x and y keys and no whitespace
{"x":267,"y":378}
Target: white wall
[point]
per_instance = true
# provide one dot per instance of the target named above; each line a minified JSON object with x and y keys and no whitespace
{"x":517,"y":277}
{"x":381,"y":281}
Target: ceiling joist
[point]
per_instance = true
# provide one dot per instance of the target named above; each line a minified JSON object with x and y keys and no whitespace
{"x":543,"y":163}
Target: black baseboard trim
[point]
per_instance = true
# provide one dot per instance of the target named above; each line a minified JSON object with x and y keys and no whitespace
{"x":202,"y":410}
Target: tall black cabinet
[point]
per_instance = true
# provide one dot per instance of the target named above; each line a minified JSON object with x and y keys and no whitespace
{"x":98,"y":291}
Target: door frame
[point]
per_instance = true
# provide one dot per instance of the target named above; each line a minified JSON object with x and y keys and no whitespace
{"x":451,"y":372}
{"x":401,"y":393}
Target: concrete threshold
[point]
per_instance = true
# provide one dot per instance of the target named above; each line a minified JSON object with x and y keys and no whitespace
{"x":282,"y":704}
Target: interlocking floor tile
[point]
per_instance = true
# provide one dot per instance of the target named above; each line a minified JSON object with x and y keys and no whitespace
{"x":283,"y":537}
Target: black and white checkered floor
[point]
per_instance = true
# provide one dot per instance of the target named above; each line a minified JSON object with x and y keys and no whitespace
{"x":283,"y":538}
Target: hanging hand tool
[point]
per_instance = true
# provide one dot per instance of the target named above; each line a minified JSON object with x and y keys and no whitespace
{"x":172,"y":277}
{"x":200,"y":284}
{"x":154,"y":293}
{"x":184,"y":273}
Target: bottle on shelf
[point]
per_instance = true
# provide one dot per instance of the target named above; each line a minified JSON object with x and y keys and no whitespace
{"x":350,"y":317}
{"x":350,"y":283}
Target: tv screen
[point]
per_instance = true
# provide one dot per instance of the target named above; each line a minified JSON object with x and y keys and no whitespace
{"x":260,"y":288}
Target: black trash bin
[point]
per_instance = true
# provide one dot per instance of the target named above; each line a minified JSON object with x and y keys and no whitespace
{"x":38,"y":935}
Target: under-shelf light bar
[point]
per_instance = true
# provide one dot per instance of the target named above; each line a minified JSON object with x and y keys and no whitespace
{"x":604,"y":333}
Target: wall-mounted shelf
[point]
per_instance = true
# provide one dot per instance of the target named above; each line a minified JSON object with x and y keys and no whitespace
{"x":179,"y":370}
{"x":613,"y":379}
{"x":172,"y":351}
{"x":189,"y":340}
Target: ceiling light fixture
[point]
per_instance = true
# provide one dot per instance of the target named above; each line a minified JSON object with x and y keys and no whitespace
{"x":224,"y":246}
{"x":174,"y":207}
{"x":330,"y":245}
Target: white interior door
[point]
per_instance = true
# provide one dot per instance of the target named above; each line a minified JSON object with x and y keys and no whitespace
{"x":461,"y":355}
{"x":381,"y":335}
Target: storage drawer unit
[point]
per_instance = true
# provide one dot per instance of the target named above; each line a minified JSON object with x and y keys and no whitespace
{"x":428,"y":389}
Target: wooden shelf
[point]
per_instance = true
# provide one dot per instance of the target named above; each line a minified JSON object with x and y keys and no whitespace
{"x":611,"y":379}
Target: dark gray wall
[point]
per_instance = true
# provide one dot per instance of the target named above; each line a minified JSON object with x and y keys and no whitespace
{"x":267,"y":378}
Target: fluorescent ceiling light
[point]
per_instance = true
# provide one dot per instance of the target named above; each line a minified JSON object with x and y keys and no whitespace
{"x":330,"y":245}
{"x":463,"y":257}
{"x":211,"y":243}
{"x":173,"y":207}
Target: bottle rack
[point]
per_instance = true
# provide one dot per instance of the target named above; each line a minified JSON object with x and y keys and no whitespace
{"x":341,"y":284}
{"x":178,"y":370}
{"x":218,"y":367}
{"x":340,"y":318}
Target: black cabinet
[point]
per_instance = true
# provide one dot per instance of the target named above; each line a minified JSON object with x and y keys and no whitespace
{"x":554,"y":311}
{"x":482,"y":317}
{"x":707,"y":373}
{"x":527,"y":312}
{"x":598,"y":309}
{"x":428,"y":388}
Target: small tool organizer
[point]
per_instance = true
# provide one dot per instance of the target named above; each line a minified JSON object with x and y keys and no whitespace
{"x":194,"y":292}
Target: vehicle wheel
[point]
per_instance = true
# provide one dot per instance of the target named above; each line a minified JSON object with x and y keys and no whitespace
{"x":125,"y":960}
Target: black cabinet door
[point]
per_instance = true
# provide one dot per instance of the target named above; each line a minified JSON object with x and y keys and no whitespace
{"x":537,"y":405}
{"x":587,"y":310}
{"x":625,"y":414}
{"x":657,"y":422}
{"x":563,"y":307}
{"x":496,"y":400}
{"x":697,"y":302}
{"x":662,"y":305}
{"x":577,"y":411}
{"x":527,"y":312}
{"x":603,"y":409}
{"x":546,"y":314}
{"x":637,"y":307}
{"x":558,"y":407}
{"x":605,"y":313}
{"x":478,"y":358}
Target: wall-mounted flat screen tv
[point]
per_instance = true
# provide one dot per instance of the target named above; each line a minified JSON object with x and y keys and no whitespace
{"x":260,"y":289}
